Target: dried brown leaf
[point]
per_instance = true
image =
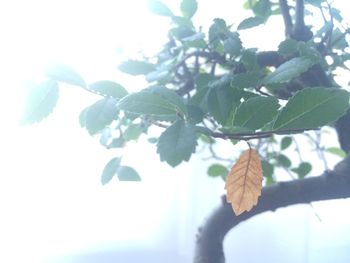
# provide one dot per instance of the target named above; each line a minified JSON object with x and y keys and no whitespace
{"x":244,"y":182}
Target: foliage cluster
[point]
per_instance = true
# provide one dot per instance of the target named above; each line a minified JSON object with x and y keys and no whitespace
{"x":206,"y":86}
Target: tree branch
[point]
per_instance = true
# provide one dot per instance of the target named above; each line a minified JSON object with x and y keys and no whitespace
{"x":330,"y":185}
{"x":288,"y":25}
{"x":300,"y":31}
{"x":299,"y":16}
{"x":255,"y":135}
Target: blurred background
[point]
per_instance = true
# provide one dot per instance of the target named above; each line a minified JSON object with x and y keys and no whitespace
{"x":53,"y":206}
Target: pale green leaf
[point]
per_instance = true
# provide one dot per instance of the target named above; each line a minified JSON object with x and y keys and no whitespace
{"x":127,"y":173}
{"x":110,"y":170}
{"x":246,"y":80}
{"x":251,"y":22}
{"x":189,"y":8}
{"x":256,"y":112}
{"x":146,"y":102}
{"x":262,"y":8}
{"x":217,"y":31}
{"x":159,"y":8}
{"x":66,"y":74}
{"x":171,"y":97}
{"x":177,"y":143}
{"x":40,"y":102}
{"x":288,"y":70}
{"x":82,"y":117}
{"x":100,"y":114}
{"x":233,"y":45}
{"x":132,"y":132}
{"x":222,"y":100}
{"x":336,"y":151}
{"x":109,"y":88}
{"x":135,"y":67}
{"x":217,"y":170}
{"x":288,"y":47}
{"x":312,"y":108}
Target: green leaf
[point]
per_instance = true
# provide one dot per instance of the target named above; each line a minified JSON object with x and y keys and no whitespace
{"x":132,"y":132}
{"x":66,"y":74}
{"x":249,"y":4}
{"x":262,"y":8}
{"x":202,"y":80}
{"x":110,"y":170}
{"x":246,"y":80}
{"x":289,"y":70}
{"x":267,"y":169}
{"x":100,"y":114}
{"x":177,"y":143}
{"x":82,"y":117}
{"x":182,"y":21}
{"x":233,"y":45}
{"x":40,"y":102}
{"x":222,"y":100}
{"x":308,"y":51}
{"x":288,"y":47}
{"x":336,"y":13}
{"x":135,"y":67}
{"x":303,"y":169}
{"x":312,"y":108}
{"x":159,"y":8}
{"x":116,"y":143}
{"x":171,"y":97}
{"x":109,"y":88}
{"x":195,"y":114}
{"x":146,"y":102}
{"x":127,"y":173}
{"x":336,"y":151}
{"x":338,"y":40}
{"x":250,"y":60}
{"x":159,"y":75}
{"x":256,"y":112}
{"x":286,"y":142}
{"x":216,"y":170}
{"x":251,"y":22}
{"x":217,"y":31}
{"x":284,"y":161}
{"x":106,"y":137}
{"x":189,"y":8}
{"x":181,"y":32}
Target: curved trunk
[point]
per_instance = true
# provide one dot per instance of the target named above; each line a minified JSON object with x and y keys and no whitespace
{"x":330,"y":185}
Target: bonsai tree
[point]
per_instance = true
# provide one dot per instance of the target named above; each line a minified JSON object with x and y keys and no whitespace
{"x":205,"y":86}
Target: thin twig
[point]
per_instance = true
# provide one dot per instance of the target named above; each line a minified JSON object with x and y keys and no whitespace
{"x":215,"y":156}
{"x":329,"y":39}
{"x":297,"y":149}
{"x":320,"y":150}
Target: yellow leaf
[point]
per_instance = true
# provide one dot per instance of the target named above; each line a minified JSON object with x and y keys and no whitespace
{"x":244,"y":182}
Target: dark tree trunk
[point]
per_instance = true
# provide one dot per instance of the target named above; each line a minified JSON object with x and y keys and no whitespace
{"x":330,"y":185}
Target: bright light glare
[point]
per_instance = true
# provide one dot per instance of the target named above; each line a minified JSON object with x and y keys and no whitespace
{"x":50,"y":198}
